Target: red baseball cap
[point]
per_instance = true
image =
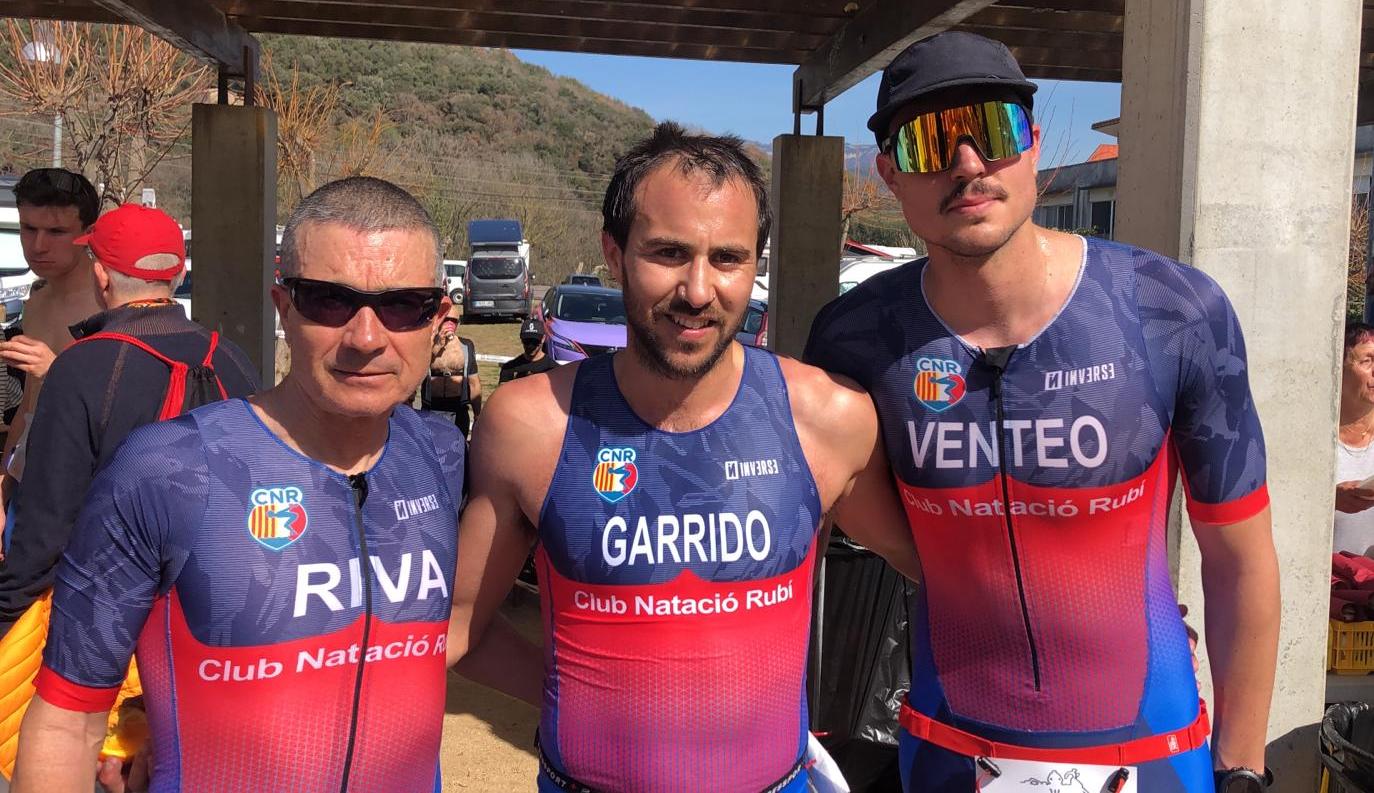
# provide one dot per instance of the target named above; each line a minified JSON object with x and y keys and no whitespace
{"x":123,"y":237}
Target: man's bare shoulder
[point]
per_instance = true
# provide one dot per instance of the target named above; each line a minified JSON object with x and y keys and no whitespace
{"x":524,"y":420}
{"x":48,"y":318}
{"x":821,"y":397}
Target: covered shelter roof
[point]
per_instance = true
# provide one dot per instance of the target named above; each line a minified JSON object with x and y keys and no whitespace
{"x":834,"y":43}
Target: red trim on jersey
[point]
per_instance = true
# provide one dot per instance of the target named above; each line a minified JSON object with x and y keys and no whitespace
{"x":1233,"y":511}
{"x":58,"y":690}
{"x":1136,"y":752}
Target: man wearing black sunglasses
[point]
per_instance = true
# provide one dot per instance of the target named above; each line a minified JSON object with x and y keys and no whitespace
{"x":283,"y":563}
{"x":1039,"y":393}
{"x":677,"y":491}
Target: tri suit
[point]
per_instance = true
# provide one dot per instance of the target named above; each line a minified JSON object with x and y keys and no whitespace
{"x":289,"y":621}
{"x":1037,"y":481}
{"x":675,"y":574}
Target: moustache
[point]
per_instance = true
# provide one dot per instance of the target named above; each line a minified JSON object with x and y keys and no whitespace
{"x":684,"y":309}
{"x":978,"y":187}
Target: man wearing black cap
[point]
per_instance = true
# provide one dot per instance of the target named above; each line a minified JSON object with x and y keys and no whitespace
{"x":532,"y":360}
{"x":1040,"y":393}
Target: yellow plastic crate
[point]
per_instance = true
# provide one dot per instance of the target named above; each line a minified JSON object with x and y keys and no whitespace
{"x":1350,"y":648}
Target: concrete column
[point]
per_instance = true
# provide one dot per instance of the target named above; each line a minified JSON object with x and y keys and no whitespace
{"x":808,"y":184}
{"x":233,"y":226}
{"x":1237,"y":139}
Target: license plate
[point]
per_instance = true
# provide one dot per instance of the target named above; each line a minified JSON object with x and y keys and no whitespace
{"x":1026,"y":776}
{"x":14,"y":293}
{"x":483,"y":304}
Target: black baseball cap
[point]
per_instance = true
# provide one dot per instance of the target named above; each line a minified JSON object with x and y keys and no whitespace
{"x":531,"y":329}
{"x":946,"y":60}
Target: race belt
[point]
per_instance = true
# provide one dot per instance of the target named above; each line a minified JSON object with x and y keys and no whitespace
{"x":1129,"y":753}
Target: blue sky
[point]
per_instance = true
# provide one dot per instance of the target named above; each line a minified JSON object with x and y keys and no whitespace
{"x":755,"y":100}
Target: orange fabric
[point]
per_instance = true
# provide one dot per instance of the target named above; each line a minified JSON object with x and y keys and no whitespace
{"x":21,"y":657}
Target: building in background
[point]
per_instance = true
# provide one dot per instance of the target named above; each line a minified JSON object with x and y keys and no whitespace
{"x":1082,"y":197}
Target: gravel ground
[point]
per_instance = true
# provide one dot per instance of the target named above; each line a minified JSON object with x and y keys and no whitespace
{"x":489,"y":737}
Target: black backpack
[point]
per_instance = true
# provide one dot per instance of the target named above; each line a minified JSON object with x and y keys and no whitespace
{"x":190,"y":385}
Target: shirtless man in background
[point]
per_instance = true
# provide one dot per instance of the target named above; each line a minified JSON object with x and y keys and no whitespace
{"x":55,"y":207}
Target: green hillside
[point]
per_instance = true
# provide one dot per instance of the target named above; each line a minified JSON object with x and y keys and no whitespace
{"x":455,"y":101}
{"x":473,"y":133}
{"x":476,"y":133}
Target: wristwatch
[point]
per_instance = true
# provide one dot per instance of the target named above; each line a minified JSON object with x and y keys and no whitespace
{"x":1242,"y":780}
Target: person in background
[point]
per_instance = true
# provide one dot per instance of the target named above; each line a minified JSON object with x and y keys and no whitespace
{"x":532,"y":360}
{"x":104,"y":388}
{"x":453,"y":385}
{"x":55,"y":207}
{"x":221,"y":543}
{"x":1354,"y":531}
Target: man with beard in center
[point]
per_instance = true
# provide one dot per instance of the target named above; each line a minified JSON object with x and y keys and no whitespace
{"x":677,"y":490}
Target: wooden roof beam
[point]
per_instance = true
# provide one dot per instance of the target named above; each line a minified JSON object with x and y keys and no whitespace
{"x":500,"y":22}
{"x":1000,"y":16}
{"x":563,"y":10}
{"x":869,"y":41}
{"x":195,"y":27}
{"x":63,"y":10}
{"x":525,"y":41}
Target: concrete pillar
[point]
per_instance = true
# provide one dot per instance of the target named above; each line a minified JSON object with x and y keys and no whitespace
{"x":808,"y":184}
{"x":233,"y":226}
{"x":1237,"y":139}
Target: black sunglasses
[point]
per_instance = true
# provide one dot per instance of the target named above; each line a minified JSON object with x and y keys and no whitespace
{"x":333,"y":305}
{"x":60,"y":179}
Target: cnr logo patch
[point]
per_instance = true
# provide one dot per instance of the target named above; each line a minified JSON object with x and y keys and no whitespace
{"x":939,"y":383}
{"x":615,"y":474}
{"x":277,"y":516}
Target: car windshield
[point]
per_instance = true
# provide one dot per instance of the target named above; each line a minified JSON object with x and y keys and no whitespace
{"x":606,"y":308}
{"x":497,"y":267}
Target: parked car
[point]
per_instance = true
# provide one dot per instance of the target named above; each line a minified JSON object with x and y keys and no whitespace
{"x":582,"y":279}
{"x":582,"y":321}
{"x":856,"y":271}
{"x":182,"y":294}
{"x":754,"y":331}
{"x":15,"y":276}
{"x":499,"y":274}
{"x":455,"y":271}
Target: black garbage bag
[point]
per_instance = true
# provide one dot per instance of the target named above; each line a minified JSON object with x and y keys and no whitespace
{"x":861,"y":664}
{"x":1347,"y":747}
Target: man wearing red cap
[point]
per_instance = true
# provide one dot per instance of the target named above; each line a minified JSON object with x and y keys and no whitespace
{"x":96,"y":392}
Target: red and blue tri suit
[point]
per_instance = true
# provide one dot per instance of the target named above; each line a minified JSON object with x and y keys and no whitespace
{"x":675,"y":574}
{"x":290,"y":621}
{"x":1037,"y":481}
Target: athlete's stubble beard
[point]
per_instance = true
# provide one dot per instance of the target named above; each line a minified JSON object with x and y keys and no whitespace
{"x":977,"y":187}
{"x":649,"y":349}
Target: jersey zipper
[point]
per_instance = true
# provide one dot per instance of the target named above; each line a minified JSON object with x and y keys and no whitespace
{"x":358,"y":483}
{"x":997,"y":359}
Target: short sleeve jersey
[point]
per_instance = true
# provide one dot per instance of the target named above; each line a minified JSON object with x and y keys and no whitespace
{"x":289,"y":621}
{"x":1038,"y":488}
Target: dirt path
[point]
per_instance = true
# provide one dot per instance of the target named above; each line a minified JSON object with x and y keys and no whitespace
{"x":489,"y":737}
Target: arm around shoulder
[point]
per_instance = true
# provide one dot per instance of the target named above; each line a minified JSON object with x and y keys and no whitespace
{"x":843,"y":443}
{"x":513,"y":449}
